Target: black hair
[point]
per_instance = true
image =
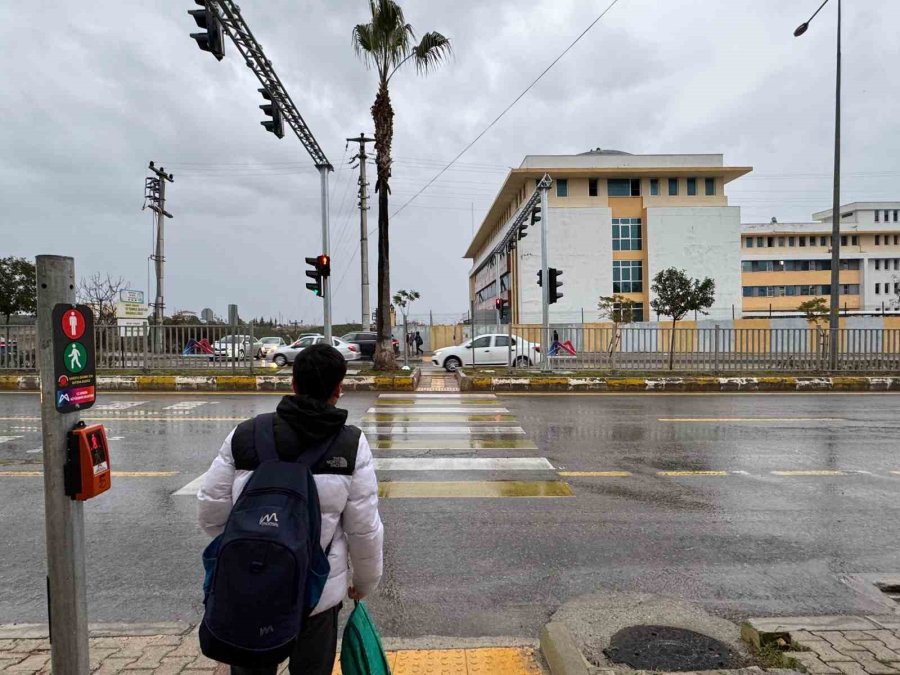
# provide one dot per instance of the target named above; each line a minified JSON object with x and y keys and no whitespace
{"x":318,"y":370}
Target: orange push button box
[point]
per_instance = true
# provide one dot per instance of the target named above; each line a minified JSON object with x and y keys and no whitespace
{"x":87,"y":472}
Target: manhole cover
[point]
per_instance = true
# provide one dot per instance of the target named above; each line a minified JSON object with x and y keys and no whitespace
{"x":670,"y":649}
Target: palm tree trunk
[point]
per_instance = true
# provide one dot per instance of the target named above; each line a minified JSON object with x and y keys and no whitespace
{"x":383,"y":116}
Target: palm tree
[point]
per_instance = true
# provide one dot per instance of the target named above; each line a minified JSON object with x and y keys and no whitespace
{"x":386,"y":43}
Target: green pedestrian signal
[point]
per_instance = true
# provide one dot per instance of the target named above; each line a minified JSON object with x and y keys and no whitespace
{"x":75,"y":357}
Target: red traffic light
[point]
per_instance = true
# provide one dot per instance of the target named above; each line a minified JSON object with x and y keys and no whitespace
{"x":323,"y":264}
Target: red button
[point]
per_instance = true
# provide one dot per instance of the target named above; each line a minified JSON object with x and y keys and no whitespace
{"x":73,"y":324}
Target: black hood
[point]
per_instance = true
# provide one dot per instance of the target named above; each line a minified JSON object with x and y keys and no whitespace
{"x":311,"y":419}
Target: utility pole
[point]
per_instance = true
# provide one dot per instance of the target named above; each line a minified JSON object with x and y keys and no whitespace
{"x":363,"y":229}
{"x":155,"y":200}
{"x":544,"y":187}
{"x":63,"y":516}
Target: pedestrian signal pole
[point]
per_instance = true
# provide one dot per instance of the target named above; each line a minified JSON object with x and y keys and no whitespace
{"x":63,"y":516}
{"x":545,"y":278}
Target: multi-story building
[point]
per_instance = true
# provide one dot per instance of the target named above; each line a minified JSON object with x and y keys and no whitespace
{"x":614,"y":221}
{"x":785,"y":264}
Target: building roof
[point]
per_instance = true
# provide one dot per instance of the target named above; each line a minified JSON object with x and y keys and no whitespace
{"x":605,"y":166}
{"x":858,"y":206}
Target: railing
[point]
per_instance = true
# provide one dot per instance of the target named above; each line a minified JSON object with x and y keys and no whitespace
{"x":714,"y":350}
{"x":146,"y":348}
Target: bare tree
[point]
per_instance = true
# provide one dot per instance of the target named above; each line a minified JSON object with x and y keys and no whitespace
{"x":101,"y":292}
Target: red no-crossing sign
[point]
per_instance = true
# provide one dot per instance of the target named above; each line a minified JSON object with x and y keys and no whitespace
{"x":73,"y":323}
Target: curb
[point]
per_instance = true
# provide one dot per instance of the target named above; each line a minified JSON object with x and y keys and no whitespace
{"x":224,"y":383}
{"x":766,"y":631}
{"x":39,"y":631}
{"x":527,"y":383}
{"x":560,"y":651}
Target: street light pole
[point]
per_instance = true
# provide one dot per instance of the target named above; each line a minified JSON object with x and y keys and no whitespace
{"x":833,"y":319}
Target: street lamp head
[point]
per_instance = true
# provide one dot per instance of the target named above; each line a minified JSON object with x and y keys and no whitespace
{"x":801,"y":29}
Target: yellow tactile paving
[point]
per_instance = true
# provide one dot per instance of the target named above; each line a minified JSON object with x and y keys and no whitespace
{"x":484,"y":661}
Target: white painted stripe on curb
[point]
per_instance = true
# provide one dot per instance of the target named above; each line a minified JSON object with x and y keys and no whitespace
{"x":463,"y":464}
{"x":426,"y":396}
{"x":443,"y":431}
{"x":191,"y":488}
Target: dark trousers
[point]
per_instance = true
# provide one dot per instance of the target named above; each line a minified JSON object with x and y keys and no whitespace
{"x":315,"y":650}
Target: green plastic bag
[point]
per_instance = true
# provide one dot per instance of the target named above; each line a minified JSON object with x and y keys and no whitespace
{"x":361,"y":650}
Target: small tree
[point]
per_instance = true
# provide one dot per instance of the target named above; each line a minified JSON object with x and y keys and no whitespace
{"x":816,"y":311}
{"x":18,"y":288}
{"x":101,"y":293}
{"x":619,"y":310}
{"x":404,"y":300}
{"x":676,"y":295}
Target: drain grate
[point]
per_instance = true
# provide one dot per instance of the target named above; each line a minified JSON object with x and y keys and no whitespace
{"x":892,"y":590}
{"x":669,"y":649}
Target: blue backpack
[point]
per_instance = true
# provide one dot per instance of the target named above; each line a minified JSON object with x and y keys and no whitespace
{"x":269,"y":567}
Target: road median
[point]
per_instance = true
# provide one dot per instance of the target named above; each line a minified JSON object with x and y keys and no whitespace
{"x":538,"y":382}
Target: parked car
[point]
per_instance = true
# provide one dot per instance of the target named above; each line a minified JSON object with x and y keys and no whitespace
{"x":365,"y":340}
{"x":489,"y":350}
{"x":270,"y":344}
{"x":237,"y":346}
{"x":287,"y":353}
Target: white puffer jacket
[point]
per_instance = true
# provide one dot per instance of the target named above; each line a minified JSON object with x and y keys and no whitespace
{"x":350,"y":518}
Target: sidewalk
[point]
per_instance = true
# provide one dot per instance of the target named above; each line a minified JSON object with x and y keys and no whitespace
{"x":172,"y":649}
{"x":832,"y":645}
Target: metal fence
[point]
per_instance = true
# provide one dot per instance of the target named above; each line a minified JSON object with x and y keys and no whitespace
{"x":713,"y":349}
{"x":145,"y":348}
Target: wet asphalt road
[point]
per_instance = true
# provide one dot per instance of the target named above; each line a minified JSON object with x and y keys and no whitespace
{"x":751,"y":538}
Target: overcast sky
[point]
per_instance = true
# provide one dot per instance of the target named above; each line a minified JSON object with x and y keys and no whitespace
{"x":92,"y":91}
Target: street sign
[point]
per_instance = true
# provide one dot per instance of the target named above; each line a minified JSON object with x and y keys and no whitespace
{"x":132,"y":296}
{"x":74,"y":362}
{"x":132,"y":310}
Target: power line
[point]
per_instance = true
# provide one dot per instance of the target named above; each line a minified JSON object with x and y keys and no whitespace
{"x":508,"y":108}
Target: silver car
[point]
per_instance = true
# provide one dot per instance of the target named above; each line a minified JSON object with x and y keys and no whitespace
{"x":237,"y":347}
{"x":287,"y":353}
{"x":270,"y":344}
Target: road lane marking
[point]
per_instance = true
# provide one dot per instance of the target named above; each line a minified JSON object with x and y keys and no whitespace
{"x":115,"y":474}
{"x":118,"y":405}
{"x":691,"y":473}
{"x":751,"y":419}
{"x":463,"y":464}
{"x":595,"y":474}
{"x":810,"y":472}
{"x":191,"y":488}
{"x":461,"y":419}
{"x":467,"y":410}
{"x":35,"y":451}
{"x":7,"y":439}
{"x":452,"y":444}
{"x":185,"y":405}
{"x":404,"y":430}
{"x":472,"y":489}
{"x":425,"y":397}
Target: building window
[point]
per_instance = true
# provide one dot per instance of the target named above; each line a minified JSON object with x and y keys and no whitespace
{"x":626,"y":234}
{"x":877,"y":264}
{"x":592,"y":187}
{"x":877,"y":289}
{"x":692,"y":187}
{"x":562,"y":187}
{"x":791,"y":241}
{"x":896,"y":239}
{"x":897,"y":288}
{"x":637,"y":310}
{"x":843,"y":240}
{"x":759,"y":242}
{"x":803,"y":241}
{"x":877,"y":238}
{"x":896,"y":212}
{"x":854,"y":240}
{"x":823,"y":241}
{"x":748,"y":242}
{"x":896,"y":264}
{"x":710,"y":186}
{"x":876,"y":216}
{"x":770,"y":241}
{"x":886,"y":216}
{"x":654,"y":190}
{"x":627,"y":276}
{"x":781,"y":241}
{"x":673,"y":187}
{"x":624,"y":187}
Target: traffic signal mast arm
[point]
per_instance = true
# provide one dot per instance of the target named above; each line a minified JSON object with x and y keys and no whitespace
{"x":512,"y":234}
{"x":229,"y":17}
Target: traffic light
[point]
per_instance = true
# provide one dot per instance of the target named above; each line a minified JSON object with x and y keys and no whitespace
{"x":500,"y":304}
{"x":555,"y":284}
{"x":323,"y":264}
{"x":522,"y":233}
{"x":315,"y":274}
{"x":540,"y":274}
{"x":213,"y":38}
{"x":536,"y":214}
{"x":276,"y":124}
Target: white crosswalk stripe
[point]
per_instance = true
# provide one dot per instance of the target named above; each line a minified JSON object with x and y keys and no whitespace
{"x":185,"y":405}
{"x":7,"y":439}
{"x":119,"y":405}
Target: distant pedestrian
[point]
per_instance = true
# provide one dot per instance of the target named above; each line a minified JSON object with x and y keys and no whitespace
{"x":306,"y":428}
{"x":410,"y":342}
{"x":419,"y":342}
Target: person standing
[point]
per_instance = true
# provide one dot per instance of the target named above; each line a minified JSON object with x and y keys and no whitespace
{"x":419,"y":342}
{"x":351,"y":529}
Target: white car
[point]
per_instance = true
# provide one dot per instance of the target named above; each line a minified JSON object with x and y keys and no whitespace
{"x":237,"y":346}
{"x":489,"y":350}
{"x":270,"y":344}
{"x":287,"y":353}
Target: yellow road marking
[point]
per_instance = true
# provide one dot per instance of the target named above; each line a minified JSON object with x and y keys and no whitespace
{"x":413,"y":417}
{"x":751,"y":419}
{"x":595,"y":474}
{"x":481,"y":661}
{"x":456,"y":489}
{"x":116,"y":474}
{"x":810,"y":472}
{"x":691,"y":473}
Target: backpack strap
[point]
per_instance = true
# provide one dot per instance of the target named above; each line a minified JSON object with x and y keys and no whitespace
{"x":264,"y":437}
